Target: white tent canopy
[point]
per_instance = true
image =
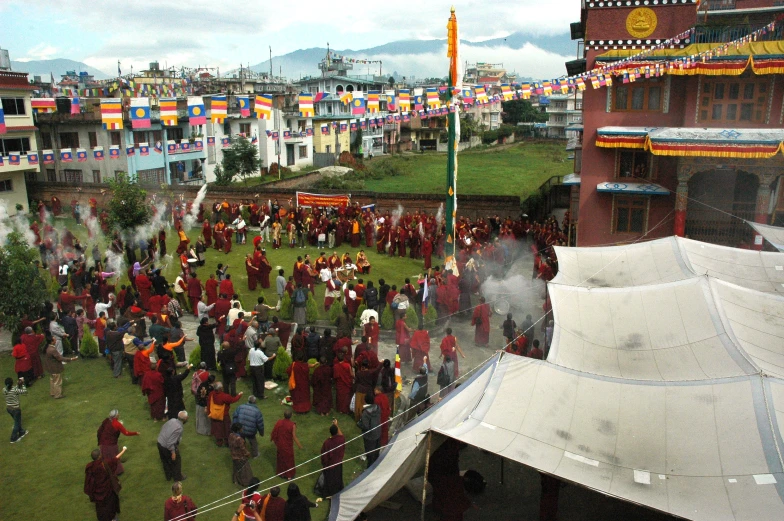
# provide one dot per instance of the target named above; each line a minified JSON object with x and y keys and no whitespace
{"x":772,"y":234}
{"x":665,"y":388}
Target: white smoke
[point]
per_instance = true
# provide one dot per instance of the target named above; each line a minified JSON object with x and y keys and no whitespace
{"x":192,"y":217}
{"x":440,"y":215}
{"x":397,"y":214}
{"x":6,"y":227}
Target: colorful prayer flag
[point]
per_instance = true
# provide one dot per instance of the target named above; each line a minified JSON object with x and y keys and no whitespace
{"x":263,"y":106}
{"x":218,"y":109}
{"x":140,"y":113}
{"x":320,"y":96}
{"x":324,"y":130}
{"x":358,"y":104}
{"x":398,"y":373}
{"x":210,"y":141}
{"x":66,"y":156}
{"x":168,"y":108}
{"x":468,"y":95}
{"x":171,"y":147}
{"x":506,"y":91}
{"x":14,"y":158}
{"x":144,"y":149}
{"x":243,"y":103}
{"x":346,"y":97}
{"x":254,"y":139}
{"x":391,"y":105}
{"x":196,"y":113}
{"x":404,"y":100}
{"x":32,"y":158}
{"x":75,"y":106}
{"x":130,"y":151}
{"x":43,"y":105}
{"x":98,"y":153}
{"x":198,"y":144}
{"x":2,"y":121}
{"x":432,"y":97}
{"x":547,"y":88}
{"x":225,"y":142}
{"x":306,"y":105}
{"x":481,"y":94}
{"x":373,"y":101}
{"x":111,"y":113}
{"x":114,"y":152}
{"x":158,"y":147}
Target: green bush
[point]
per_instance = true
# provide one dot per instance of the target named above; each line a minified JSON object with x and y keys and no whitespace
{"x":67,"y":349}
{"x":286,"y":312}
{"x":360,"y":310}
{"x":281,"y":365}
{"x":387,"y":320}
{"x":89,"y":346}
{"x":311,"y":309}
{"x":335,"y":310}
{"x":412,"y":320}
{"x":312,"y":364}
{"x":431,"y":315}
{"x":195,"y":356}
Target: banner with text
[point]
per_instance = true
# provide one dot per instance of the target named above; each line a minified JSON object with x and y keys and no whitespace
{"x":313,"y":200}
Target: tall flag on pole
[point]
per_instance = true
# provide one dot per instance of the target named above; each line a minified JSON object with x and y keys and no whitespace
{"x":218,"y":109}
{"x":358,"y":104}
{"x":2,"y":121}
{"x":432,"y":97}
{"x":453,"y":138}
{"x":404,"y":100}
{"x":75,"y":106}
{"x":243,"y":102}
{"x":168,"y":108}
{"x":398,"y":374}
{"x":372,"y":101}
{"x":196,"y":114}
{"x":306,"y":105}
{"x":263,"y":108}
{"x":111,"y":113}
{"x":140,"y":113}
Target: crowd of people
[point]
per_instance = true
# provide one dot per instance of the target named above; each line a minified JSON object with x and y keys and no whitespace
{"x":138,"y":325}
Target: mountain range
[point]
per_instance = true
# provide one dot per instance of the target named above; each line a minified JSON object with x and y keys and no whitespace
{"x":56,"y":67}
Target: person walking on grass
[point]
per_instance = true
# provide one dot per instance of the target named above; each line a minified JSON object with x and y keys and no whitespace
{"x":12,"y":393}
{"x":179,"y":507}
{"x":53,"y":364}
{"x":102,"y":486}
{"x":169,"y":447}
{"x":284,"y":436}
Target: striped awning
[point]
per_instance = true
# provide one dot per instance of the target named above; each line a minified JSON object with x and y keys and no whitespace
{"x":622,"y":137}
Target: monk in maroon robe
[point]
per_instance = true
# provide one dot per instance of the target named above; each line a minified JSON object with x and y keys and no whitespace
{"x":284,"y":436}
{"x":264,"y":271}
{"x":420,"y":347}
{"x":481,"y":322}
{"x":300,"y":394}
{"x":427,"y":252}
{"x":101,"y":485}
{"x":206,"y":231}
{"x":322,"y":388}
{"x":344,"y":383}
{"x":402,"y":339}
{"x":332,"y":451}
{"x":219,"y":429}
{"x":32,"y":342}
{"x":386,"y":411}
{"x":152,"y":387}
{"x":144,"y":287}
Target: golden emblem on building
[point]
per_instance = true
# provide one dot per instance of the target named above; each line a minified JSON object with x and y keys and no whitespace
{"x":641,"y":22}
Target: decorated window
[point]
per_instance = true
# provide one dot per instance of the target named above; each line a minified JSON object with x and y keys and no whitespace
{"x":634,"y":163}
{"x":639,"y":96}
{"x":724,"y":100}
{"x":630,"y":214}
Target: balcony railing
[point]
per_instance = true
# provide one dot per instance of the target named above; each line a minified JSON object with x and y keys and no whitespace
{"x":719,"y":5}
{"x":724,"y":33}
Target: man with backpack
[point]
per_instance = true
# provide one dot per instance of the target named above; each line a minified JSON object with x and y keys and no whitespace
{"x":300,"y":300}
{"x":446,"y":376}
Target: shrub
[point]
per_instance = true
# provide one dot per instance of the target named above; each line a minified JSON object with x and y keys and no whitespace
{"x":360,"y":310}
{"x":431,"y":316}
{"x":387,"y":320}
{"x":412,"y":320}
{"x":311,"y":309}
{"x":67,"y":349}
{"x":335,"y":310}
{"x":312,"y":364}
{"x":89,"y":347}
{"x":286,"y":312}
{"x":282,"y":363}
{"x":195,"y":356}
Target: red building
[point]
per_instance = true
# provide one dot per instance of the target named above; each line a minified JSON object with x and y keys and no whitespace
{"x":696,"y":150}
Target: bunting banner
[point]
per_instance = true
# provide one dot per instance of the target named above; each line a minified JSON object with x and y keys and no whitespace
{"x":506,"y":92}
{"x":225,"y":142}
{"x":305,"y":102}
{"x":196,"y":113}
{"x":210,"y":141}
{"x":320,"y":200}
{"x":32,"y":158}
{"x":98,"y":153}
{"x":373,"y":101}
{"x":218,"y":109}
{"x":114,"y":152}
{"x":168,"y":108}
{"x":432,"y":97}
{"x":140,"y":113}
{"x":309,"y":131}
{"x":346,"y":97}
{"x":324,"y":130}
{"x":357,"y":104}
{"x":171,"y":147}
{"x":158,"y":147}
{"x":343,"y":127}
{"x":263,"y":106}
{"x":75,"y":106}
{"x":198,"y":144}
{"x":404,"y":100}
{"x":286,"y":134}
{"x":144,"y":149}
{"x":66,"y":156}
{"x":390,"y":99}
{"x":130,"y":151}
{"x":111,"y":113}
{"x":243,"y":103}
{"x":14,"y":158}
{"x":48,"y":157}
{"x":185,"y":145}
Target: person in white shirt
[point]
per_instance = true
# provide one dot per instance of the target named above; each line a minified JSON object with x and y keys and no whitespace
{"x":179,"y":292}
{"x":233,"y":314}
{"x":257,"y":360}
{"x":101,"y":307}
{"x":239,"y":222}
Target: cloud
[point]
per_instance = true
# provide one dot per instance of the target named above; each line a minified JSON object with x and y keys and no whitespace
{"x":42,"y":51}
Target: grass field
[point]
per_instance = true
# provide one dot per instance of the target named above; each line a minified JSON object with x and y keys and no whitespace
{"x":63,"y":432}
{"x":517,"y":169}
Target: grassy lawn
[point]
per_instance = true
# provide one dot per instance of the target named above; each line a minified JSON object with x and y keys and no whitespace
{"x":518,"y":169}
{"x":63,"y":432}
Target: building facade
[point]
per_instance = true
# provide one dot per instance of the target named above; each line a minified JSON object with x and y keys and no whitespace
{"x":18,"y":140}
{"x":695,"y":151}
{"x":563,"y":111}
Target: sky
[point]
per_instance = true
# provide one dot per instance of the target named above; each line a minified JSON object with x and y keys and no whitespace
{"x":229,"y":32}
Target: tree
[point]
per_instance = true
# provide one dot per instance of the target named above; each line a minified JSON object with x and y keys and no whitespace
{"x":22,"y":286}
{"x":128,"y":207}
{"x":521,"y":111}
{"x":221,"y":177}
{"x":391,"y":81}
{"x":241,"y":159}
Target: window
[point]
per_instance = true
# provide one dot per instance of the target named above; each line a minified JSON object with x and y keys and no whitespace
{"x":115,"y":138}
{"x":46,"y":141}
{"x":328,"y":149}
{"x":578,"y":105}
{"x":21,"y":145}
{"x":139,"y":137}
{"x":69,"y":140}
{"x":93,"y":137}
{"x":638,"y":96}
{"x":157,"y":135}
{"x":14,"y":106}
{"x":630,"y":214}
{"x":174,"y":133}
{"x":303,"y":152}
{"x":6,"y":185}
{"x":72,"y":176}
{"x":153,"y":176}
{"x":302,"y":124}
{"x":245,"y":129}
{"x":633,"y":163}
{"x":51,"y":175}
{"x":730,"y":100}
{"x":96,"y":176}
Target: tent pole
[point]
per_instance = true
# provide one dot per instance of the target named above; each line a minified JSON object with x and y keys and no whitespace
{"x":427,"y":468}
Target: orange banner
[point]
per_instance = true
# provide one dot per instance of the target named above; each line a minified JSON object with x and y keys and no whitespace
{"x":305,"y":199}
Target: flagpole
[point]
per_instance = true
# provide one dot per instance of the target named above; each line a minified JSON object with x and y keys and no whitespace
{"x":451,"y":161}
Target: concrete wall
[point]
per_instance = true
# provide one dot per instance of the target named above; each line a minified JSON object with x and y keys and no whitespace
{"x":18,"y":193}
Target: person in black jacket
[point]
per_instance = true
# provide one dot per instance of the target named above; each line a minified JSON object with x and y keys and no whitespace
{"x":226,"y":357}
{"x":172,"y":388}
{"x":371,"y":296}
{"x":369,"y":425}
{"x":312,"y":344}
{"x":206,"y":335}
{"x":298,"y":506}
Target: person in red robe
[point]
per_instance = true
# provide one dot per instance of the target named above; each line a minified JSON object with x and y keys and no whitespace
{"x":332,"y":451}
{"x":386,"y":411}
{"x":101,"y":485}
{"x":427,"y":252}
{"x":322,"y":387}
{"x":272,"y":507}
{"x":220,"y":429}
{"x":108,"y":437}
{"x":449,"y":496}
{"x":227,"y":233}
{"x":206,"y":231}
{"x":343,"y":374}
{"x":226,"y":286}
{"x":368,"y":233}
{"x":152,"y":387}
{"x":194,"y":293}
{"x":420,"y":347}
{"x":32,"y":343}
{"x":179,"y":507}
{"x":284,"y":436}
{"x":481,"y":322}
{"x":252,"y":272}
{"x":144,"y":287}
{"x":300,"y":395}
{"x":449,"y":347}
{"x":265,"y":268}
{"x":211,"y":289}
{"x":403,"y":339}
{"x":141,"y":361}
{"x":372,"y":331}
